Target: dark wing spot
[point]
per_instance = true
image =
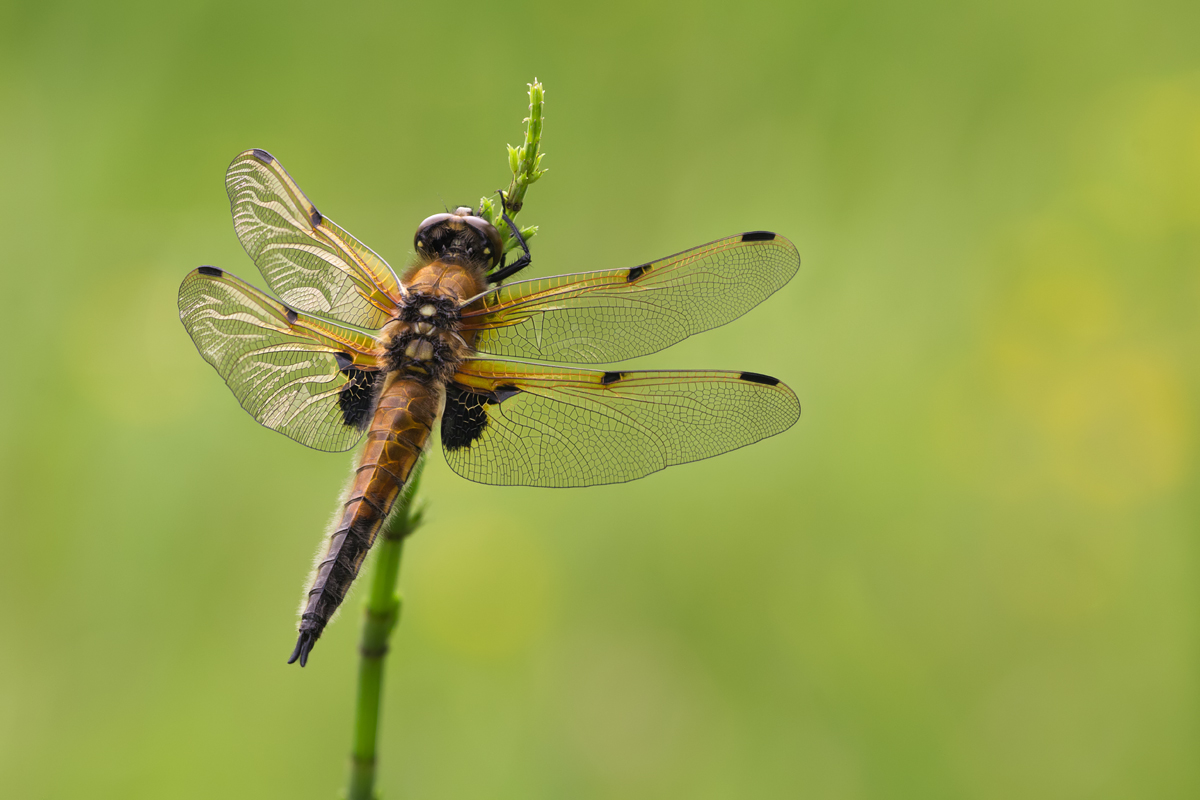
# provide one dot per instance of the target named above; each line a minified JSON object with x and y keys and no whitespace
{"x":755,"y":377}
{"x":357,"y":398}
{"x":344,"y":360}
{"x":210,"y":271}
{"x":464,"y":419}
{"x":758,"y":236}
{"x":317,"y":219}
{"x":636,"y":273}
{"x":292,"y":316}
{"x":502,"y":393}
{"x":263,"y":156}
{"x":611,"y":377}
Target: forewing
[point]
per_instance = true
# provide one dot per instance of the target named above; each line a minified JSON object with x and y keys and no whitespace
{"x":516,"y":424}
{"x":308,"y":379}
{"x":601,"y":317}
{"x":311,"y":263}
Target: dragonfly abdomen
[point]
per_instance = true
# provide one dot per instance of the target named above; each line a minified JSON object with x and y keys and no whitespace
{"x":404,"y":417}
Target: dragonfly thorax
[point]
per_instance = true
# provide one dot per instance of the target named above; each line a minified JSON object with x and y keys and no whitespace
{"x":423,"y":339}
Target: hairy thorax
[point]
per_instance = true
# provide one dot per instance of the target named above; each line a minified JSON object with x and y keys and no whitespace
{"x":425,"y":338}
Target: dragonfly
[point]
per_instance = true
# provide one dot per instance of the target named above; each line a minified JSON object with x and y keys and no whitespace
{"x":349,"y":349}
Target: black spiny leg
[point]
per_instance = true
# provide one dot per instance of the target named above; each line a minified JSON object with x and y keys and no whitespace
{"x":522,"y":262}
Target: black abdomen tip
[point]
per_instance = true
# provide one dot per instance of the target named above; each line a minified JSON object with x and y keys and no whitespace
{"x":304,"y":646}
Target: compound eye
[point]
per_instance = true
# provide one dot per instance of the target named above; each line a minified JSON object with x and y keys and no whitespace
{"x":430,"y":222}
{"x":424,"y":228}
{"x":494,"y":245}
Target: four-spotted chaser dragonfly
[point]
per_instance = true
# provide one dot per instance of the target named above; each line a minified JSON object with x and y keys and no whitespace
{"x":353,"y":349}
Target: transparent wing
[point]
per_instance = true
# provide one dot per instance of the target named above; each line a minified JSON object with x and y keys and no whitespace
{"x":311,"y":263}
{"x":601,"y":317}
{"x":311,"y":380}
{"x":516,"y":424}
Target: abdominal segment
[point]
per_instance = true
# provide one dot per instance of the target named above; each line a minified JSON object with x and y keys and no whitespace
{"x":407,"y":409}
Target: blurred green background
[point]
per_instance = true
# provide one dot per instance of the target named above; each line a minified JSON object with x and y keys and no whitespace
{"x":968,"y":572}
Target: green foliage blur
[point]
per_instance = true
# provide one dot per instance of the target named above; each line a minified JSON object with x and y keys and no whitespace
{"x":969,"y":571}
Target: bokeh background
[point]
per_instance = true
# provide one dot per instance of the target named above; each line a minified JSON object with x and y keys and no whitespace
{"x":969,"y":571}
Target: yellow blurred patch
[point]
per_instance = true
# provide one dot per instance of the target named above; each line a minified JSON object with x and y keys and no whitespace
{"x":1148,"y":139}
{"x":1064,"y":399}
{"x":1117,"y":427}
{"x":1109,"y":414}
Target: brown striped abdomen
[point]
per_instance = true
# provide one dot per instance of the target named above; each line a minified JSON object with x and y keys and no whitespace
{"x":404,"y":418}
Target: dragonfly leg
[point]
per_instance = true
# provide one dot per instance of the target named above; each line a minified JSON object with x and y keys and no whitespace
{"x":522,"y":262}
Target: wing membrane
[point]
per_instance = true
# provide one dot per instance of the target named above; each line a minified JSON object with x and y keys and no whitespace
{"x":308,"y":379}
{"x":612,"y":315}
{"x":515,"y":424}
{"x":311,"y":263}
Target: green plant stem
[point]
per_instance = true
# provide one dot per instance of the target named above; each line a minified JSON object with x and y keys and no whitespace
{"x":381,"y":615}
{"x":383,"y":604}
{"x":524,"y":161}
{"x":525,"y":164}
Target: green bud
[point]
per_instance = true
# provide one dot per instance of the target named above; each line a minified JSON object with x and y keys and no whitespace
{"x":524,"y":161}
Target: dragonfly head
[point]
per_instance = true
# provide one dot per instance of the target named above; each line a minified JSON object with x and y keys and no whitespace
{"x":460,"y":235}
